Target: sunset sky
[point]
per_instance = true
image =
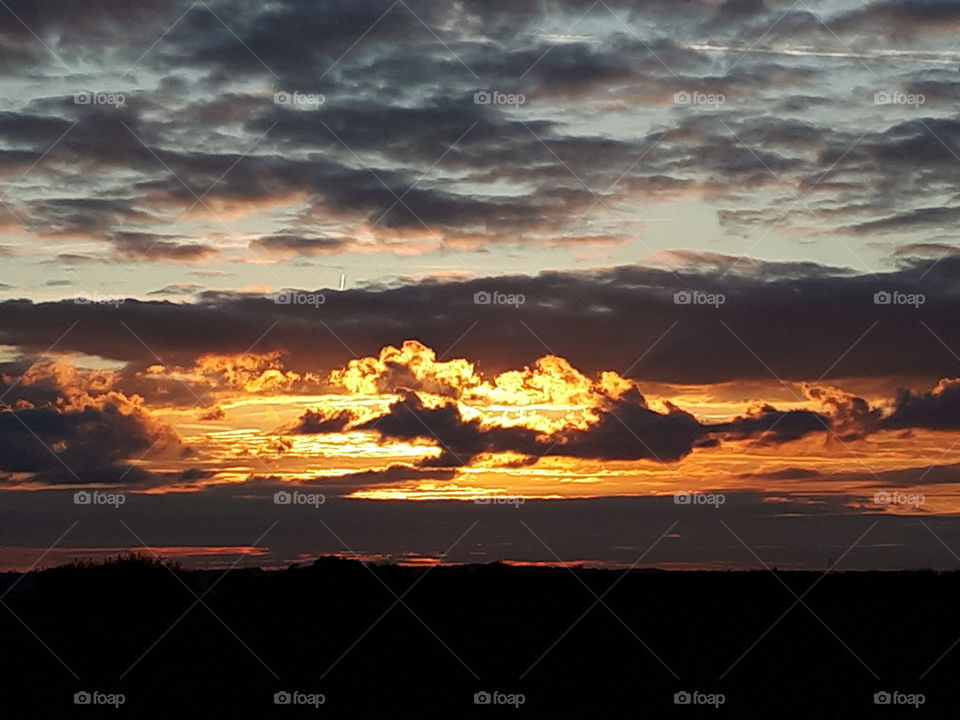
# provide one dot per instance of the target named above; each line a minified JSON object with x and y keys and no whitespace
{"x":567,"y":258}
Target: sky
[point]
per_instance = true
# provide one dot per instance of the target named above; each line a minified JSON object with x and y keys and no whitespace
{"x":612,"y":283}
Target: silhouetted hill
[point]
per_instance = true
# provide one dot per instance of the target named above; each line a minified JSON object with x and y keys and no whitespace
{"x":335,"y":628}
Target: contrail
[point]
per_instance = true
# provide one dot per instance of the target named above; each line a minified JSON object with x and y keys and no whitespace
{"x":947,"y":57}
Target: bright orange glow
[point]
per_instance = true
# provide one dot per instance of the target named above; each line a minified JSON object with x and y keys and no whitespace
{"x":248,"y":427}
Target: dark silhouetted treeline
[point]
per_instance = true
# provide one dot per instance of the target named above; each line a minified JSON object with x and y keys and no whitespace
{"x":511,"y":626}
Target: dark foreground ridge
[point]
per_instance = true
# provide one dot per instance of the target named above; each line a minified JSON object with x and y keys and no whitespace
{"x":374,"y":641}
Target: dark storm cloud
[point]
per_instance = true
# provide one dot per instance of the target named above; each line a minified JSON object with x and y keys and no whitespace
{"x":460,"y":441}
{"x":315,"y":422}
{"x":58,"y":426}
{"x":853,"y":417}
{"x":773,"y":426}
{"x":938,"y":409}
{"x":626,"y":430}
{"x":84,"y":446}
{"x":43,"y":392}
{"x":793,"y":322}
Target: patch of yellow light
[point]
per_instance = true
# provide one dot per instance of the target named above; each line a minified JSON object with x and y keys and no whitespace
{"x":249,"y":372}
{"x":546,"y":419}
{"x":317,"y":449}
{"x":360,"y":444}
{"x":437,"y":491}
{"x":297,"y":403}
{"x":552,"y":380}
{"x":369,"y":375}
{"x":485,"y":461}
